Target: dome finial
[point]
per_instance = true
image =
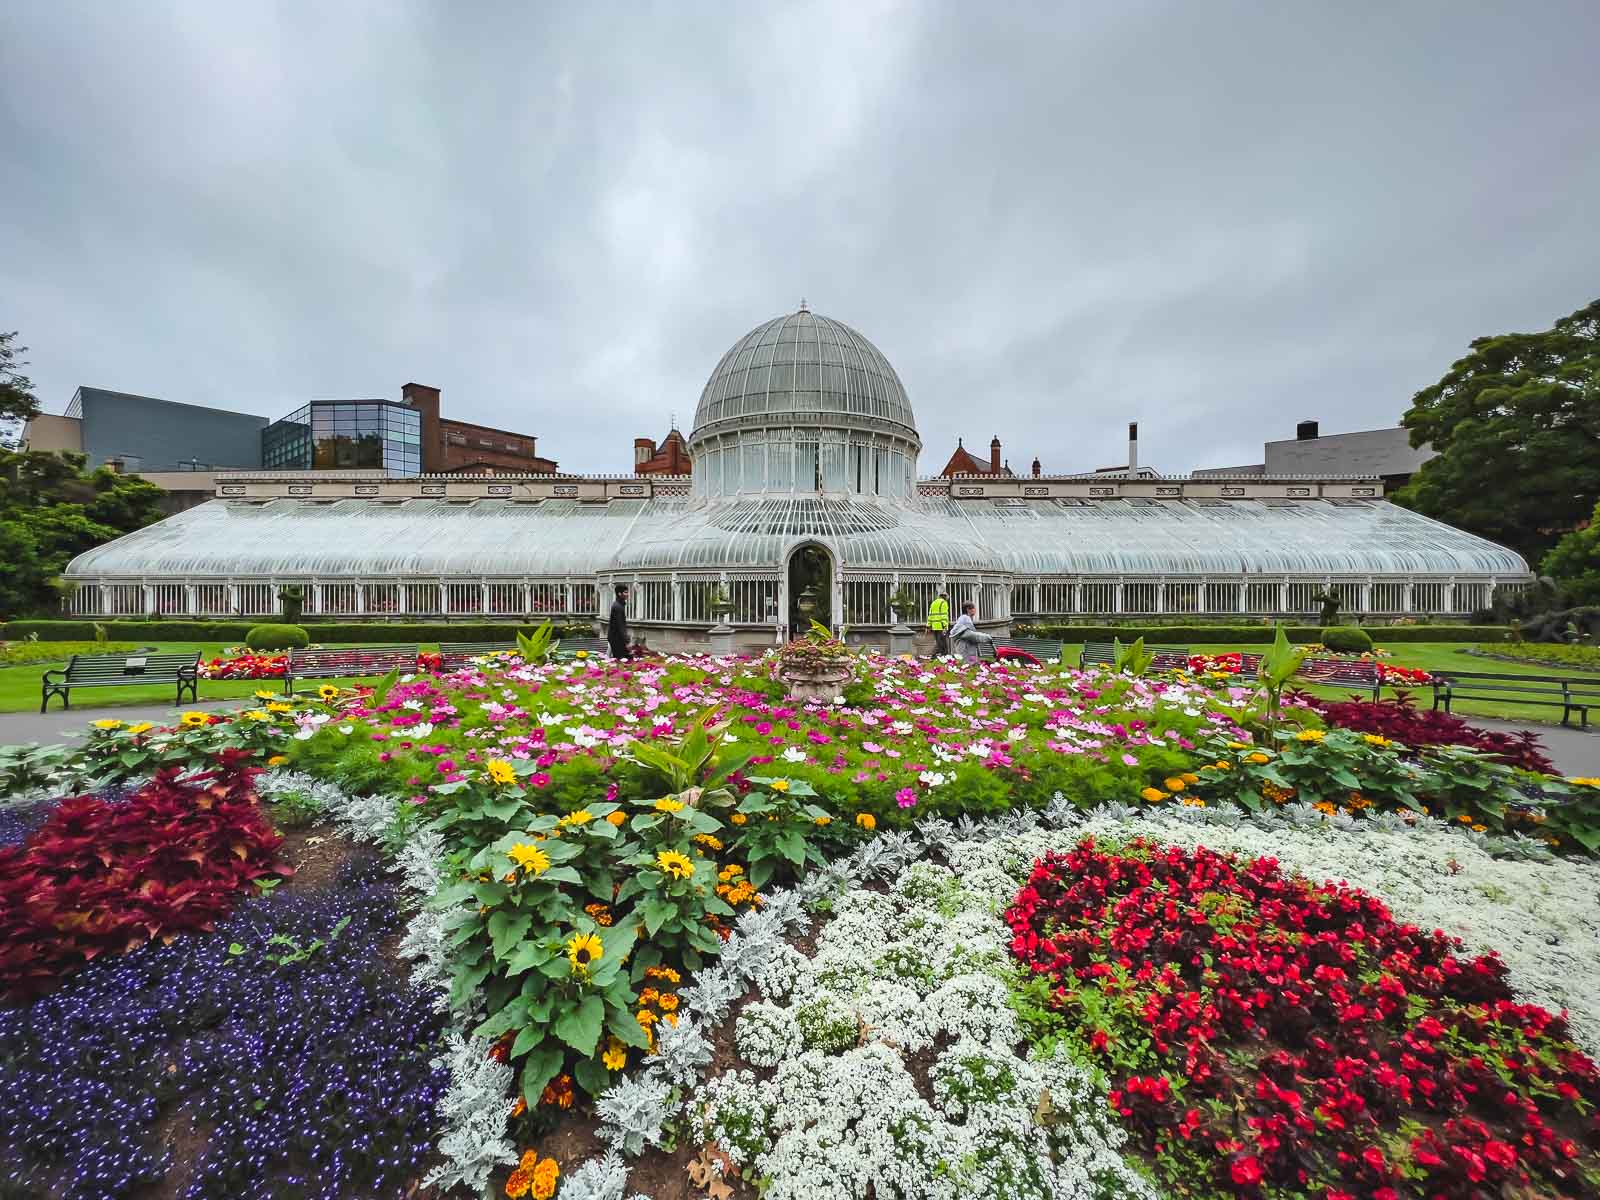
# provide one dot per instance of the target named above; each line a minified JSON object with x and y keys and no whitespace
{"x":803,"y":307}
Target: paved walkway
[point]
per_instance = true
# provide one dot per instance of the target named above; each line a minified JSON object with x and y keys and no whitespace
{"x":57,"y":725}
{"x":1574,"y":751}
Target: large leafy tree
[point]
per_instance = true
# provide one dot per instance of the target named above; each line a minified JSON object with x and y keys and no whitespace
{"x":1517,"y":427}
{"x":17,"y":401}
{"x":51,"y":509}
{"x":1575,"y":561}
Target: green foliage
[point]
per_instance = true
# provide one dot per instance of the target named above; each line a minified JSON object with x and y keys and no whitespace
{"x":17,"y":402}
{"x":323,"y":632}
{"x":292,"y":598}
{"x":277,"y":637}
{"x":1347,"y":639}
{"x":777,"y":835}
{"x":14,"y":654}
{"x":1132,"y":659}
{"x":51,"y":509}
{"x":1576,"y":656}
{"x":536,"y":647}
{"x":1278,"y":666}
{"x":696,"y":768}
{"x":1259,"y":634}
{"x":1575,"y":560}
{"x":859,"y":693}
{"x":1330,"y":602}
{"x":1516,"y":428}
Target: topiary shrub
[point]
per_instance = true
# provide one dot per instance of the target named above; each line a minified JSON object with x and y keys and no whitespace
{"x":1347,"y":639}
{"x":277,"y":637}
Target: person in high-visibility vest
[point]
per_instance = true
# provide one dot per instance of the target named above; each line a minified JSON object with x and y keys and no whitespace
{"x":939,"y":623}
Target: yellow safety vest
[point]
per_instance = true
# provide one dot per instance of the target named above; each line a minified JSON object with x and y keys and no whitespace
{"x":939,"y":614}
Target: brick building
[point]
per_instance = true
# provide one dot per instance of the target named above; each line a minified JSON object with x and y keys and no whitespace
{"x":461,"y":447}
{"x":670,"y":458}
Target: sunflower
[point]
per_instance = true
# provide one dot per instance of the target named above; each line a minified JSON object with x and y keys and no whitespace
{"x":581,"y":654}
{"x":193,"y":720}
{"x":582,"y":951}
{"x":1310,"y":735}
{"x":107,"y":724}
{"x":582,"y":817}
{"x":280,"y":707}
{"x":328,"y":692}
{"x":668,"y":805}
{"x":500,"y":771}
{"x":779,"y":785}
{"x":675,"y":864}
{"x":258,"y":714}
{"x":531,"y":859}
{"x":867,"y":821}
{"x":1374,"y":739}
{"x":616,"y":1055}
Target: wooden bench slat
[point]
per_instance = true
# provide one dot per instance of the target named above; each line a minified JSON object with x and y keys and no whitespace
{"x":347,"y":660}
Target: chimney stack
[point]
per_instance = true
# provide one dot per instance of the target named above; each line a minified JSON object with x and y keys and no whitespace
{"x":1306,"y":431}
{"x":644,"y":449}
{"x":994,"y":456}
{"x":1133,"y":445}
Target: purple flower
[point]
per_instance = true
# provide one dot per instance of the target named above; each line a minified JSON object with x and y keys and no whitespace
{"x":907,"y":797}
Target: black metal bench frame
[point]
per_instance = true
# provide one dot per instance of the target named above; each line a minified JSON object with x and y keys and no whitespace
{"x":322,"y":664}
{"x":1497,"y":686}
{"x":96,"y":670}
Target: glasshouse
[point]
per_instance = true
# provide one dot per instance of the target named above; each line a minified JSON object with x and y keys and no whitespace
{"x":804,"y":501}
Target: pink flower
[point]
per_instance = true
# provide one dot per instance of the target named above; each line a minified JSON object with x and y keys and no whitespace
{"x":1130,"y":760}
{"x":539,"y":779}
{"x":907,"y":797}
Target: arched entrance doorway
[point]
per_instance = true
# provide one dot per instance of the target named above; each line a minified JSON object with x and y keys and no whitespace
{"x":810,"y":587}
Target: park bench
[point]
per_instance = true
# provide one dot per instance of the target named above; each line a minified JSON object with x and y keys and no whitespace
{"x":593,"y":647}
{"x":1342,"y":672}
{"x":120,"y":670}
{"x":348,"y":660}
{"x":1104,"y":654}
{"x":1040,"y":650}
{"x":1570,"y":695}
{"x":456,"y":654}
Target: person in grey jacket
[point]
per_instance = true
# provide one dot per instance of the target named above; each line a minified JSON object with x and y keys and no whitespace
{"x":964,"y":635}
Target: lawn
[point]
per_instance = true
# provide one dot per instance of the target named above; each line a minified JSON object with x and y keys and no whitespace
{"x":19,"y":686}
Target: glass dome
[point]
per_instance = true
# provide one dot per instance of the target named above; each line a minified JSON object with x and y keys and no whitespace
{"x":804,"y":404}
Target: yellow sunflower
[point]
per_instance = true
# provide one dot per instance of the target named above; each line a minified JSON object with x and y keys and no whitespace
{"x":256,"y":714}
{"x":141,"y":727}
{"x":779,"y":785}
{"x":328,"y":692}
{"x":1310,"y":735}
{"x":280,"y":707}
{"x":667,"y":805}
{"x":675,"y":864}
{"x":194,"y":720}
{"x":500,"y":771}
{"x":263,"y":694}
{"x":582,"y":817}
{"x":531,"y":859}
{"x":583,"y":950}
{"x":107,"y":724}
{"x":1374,"y":739}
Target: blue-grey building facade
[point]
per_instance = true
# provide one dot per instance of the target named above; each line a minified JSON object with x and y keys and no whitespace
{"x":147,"y":434}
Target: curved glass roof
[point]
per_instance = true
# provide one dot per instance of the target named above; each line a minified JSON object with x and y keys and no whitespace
{"x":803,"y":363}
{"x":486,"y":538}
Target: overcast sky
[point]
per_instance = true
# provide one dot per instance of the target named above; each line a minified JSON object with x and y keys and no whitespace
{"x":1214,"y":218}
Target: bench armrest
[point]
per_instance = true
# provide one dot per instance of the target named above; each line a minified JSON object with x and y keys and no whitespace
{"x":55,"y":671}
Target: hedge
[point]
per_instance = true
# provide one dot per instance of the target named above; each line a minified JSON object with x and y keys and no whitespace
{"x":1194,"y":635}
{"x":234,"y":632}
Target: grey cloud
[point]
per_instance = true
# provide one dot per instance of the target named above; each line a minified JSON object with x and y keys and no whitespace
{"x":1215,"y":218}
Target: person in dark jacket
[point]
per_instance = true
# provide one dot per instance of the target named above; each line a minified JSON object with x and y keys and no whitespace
{"x":617,"y":626}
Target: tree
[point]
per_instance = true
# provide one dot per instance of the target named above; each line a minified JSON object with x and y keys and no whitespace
{"x":1516,"y":424}
{"x":17,"y":402}
{"x":1575,"y":562}
{"x":52,"y":509}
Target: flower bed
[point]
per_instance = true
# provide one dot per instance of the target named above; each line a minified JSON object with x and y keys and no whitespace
{"x":101,"y":878}
{"x":1267,"y":1034}
{"x":281,"y":1045}
{"x":244,"y":664}
{"x":1400,"y":720}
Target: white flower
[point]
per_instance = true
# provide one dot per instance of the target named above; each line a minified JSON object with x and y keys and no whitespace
{"x":794,"y":755}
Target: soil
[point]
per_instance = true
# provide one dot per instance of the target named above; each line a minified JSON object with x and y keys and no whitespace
{"x":316,"y":854}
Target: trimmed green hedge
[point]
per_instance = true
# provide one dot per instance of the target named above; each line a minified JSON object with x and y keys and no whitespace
{"x":277,"y":637}
{"x":325,"y":633}
{"x":1195,"y":635}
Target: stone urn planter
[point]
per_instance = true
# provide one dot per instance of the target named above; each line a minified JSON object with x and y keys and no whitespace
{"x":820,"y":683}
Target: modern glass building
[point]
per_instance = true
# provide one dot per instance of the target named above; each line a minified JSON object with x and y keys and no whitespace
{"x":345,"y":434}
{"x":804,"y":450}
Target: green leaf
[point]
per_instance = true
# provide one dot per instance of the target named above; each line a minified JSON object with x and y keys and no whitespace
{"x":592,"y":1075}
{"x":579,"y":1027}
{"x":625,"y":1026}
{"x":760,"y":872}
{"x":506,"y":931}
{"x":541,"y":1067}
{"x":657,"y":912}
{"x":529,"y":1037}
{"x":793,"y":847}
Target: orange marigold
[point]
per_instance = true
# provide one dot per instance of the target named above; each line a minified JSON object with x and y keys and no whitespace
{"x":544,"y":1179}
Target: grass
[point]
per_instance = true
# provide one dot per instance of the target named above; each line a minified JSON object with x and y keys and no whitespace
{"x":19,"y":686}
{"x":1444,"y":656}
